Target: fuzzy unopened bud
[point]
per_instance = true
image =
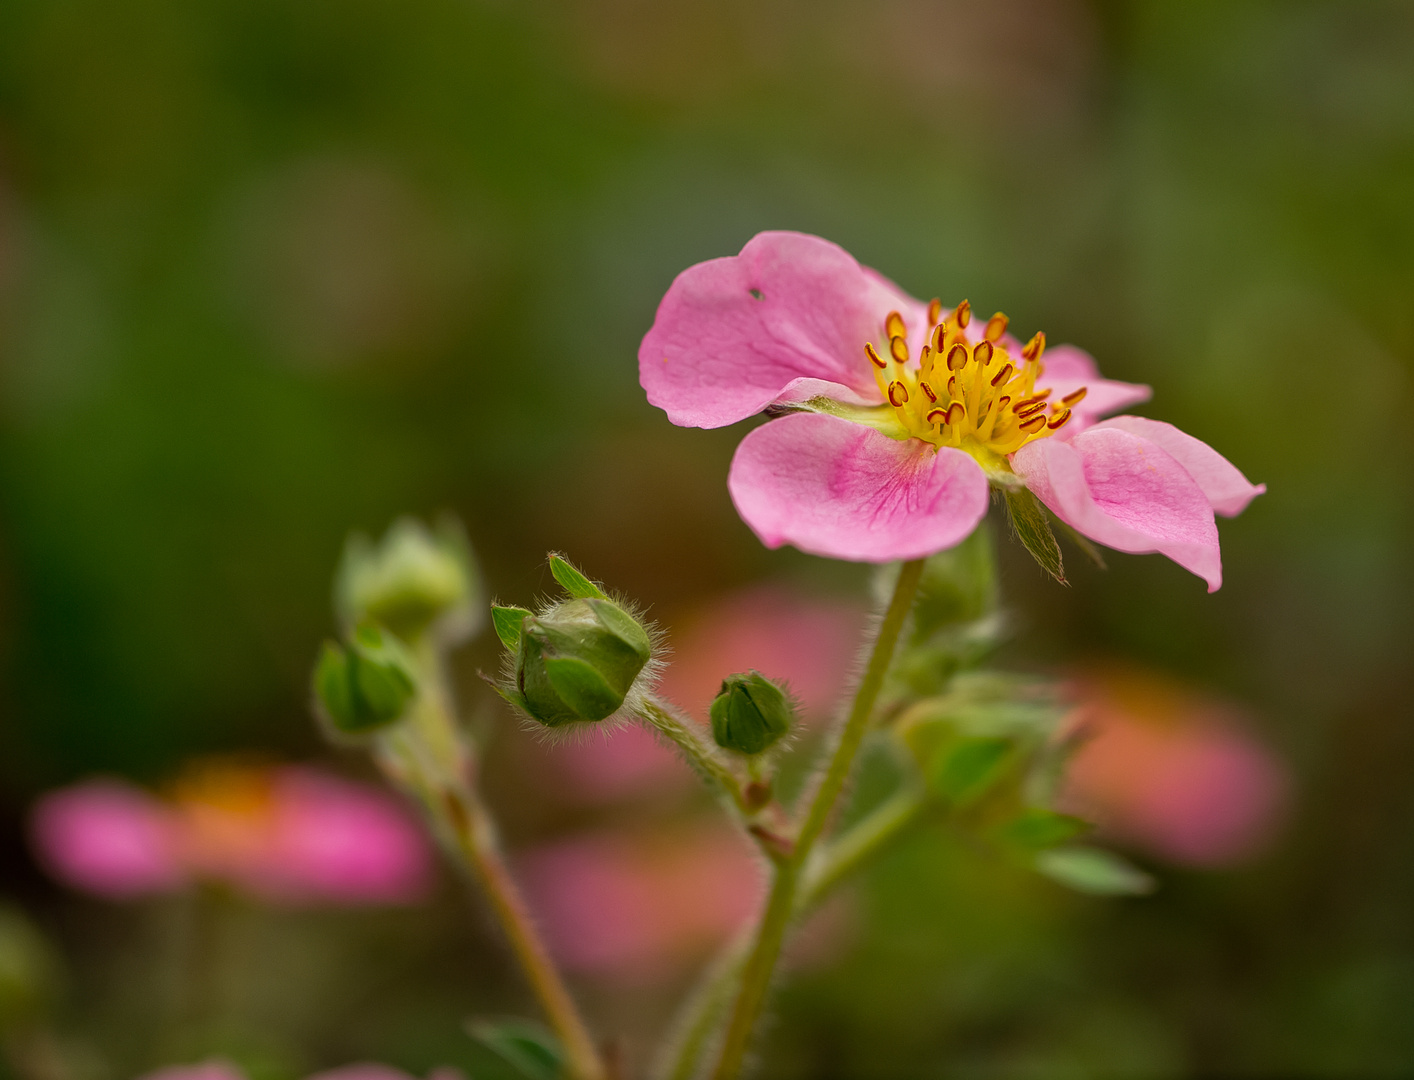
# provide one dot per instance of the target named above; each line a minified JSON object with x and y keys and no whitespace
{"x":578,"y":660}
{"x":366,"y":686}
{"x":412,"y":579}
{"x":750,"y":713}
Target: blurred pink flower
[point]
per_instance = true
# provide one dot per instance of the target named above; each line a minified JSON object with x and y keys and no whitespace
{"x":215,"y":1069}
{"x":288,"y":835}
{"x":1170,"y":772}
{"x":637,"y":909}
{"x":109,"y":838}
{"x":365,"y":1070}
{"x":808,"y":642}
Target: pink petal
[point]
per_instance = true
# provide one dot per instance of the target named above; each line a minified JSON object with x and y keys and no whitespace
{"x":845,"y":491}
{"x":1069,"y":368}
{"x":1227,"y":489}
{"x":109,"y":838}
{"x":717,"y":354}
{"x":1126,"y":493}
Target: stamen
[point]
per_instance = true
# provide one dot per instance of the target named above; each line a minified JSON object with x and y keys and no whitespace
{"x":962,"y":314}
{"x":957,"y":357}
{"x":1076,"y":397}
{"x":952,"y":387}
{"x":923,"y":357}
{"x":1002,"y":376}
{"x":956,"y":413}
{"x":1002,"y":403}
{"x":898,"y":394}
{"x":1026,"y":403}
{"x":982,"y":353}
{"x":996,"y":327}
{"x":937,"y":416}
{"x":874,"y":357}
{"x":898,"y":349}
{"x":928,"y":390}
{"x":893,"y":325}
{"x":1035,"y":424}
{"x":940,"y":338}
{"x":1035,"y":347}
{"x":935,"y":308}
{"x":1058,"y":421}
{"x":1031,"y":410}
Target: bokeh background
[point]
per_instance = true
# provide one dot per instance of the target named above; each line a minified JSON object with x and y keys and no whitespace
{"x":270,"y":271}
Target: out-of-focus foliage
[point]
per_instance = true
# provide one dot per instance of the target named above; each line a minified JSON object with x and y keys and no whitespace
{"x":271,"y":271}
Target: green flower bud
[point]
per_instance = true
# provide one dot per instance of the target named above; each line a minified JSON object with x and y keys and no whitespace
{"x":578,"y":660}
{"x":366,"y":686}
{"x":750,"y":713}
{"x":410,"y":580}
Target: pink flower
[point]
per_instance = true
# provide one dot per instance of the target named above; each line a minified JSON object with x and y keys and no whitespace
{"x":637,"y":909}
{"x":898,"y":415}
{"x":109,"y":838}
{"x":287,"y":835}
{"x":1171,"y":772}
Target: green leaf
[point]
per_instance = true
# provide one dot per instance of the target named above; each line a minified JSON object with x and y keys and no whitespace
{"x":965,"y":769}
{"x":1028,"y":520}
{"x":507,"y":622}
{"x":529,"y":1048}
{"x":1093,"y":871}
{"x":1036,"y":828}
{"x":572,"y":581}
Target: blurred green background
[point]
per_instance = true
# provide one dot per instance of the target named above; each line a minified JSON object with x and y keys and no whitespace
{"x":275,"y":269}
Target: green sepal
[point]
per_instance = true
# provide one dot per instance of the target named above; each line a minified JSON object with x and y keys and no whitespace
{"x":1094,"y":871}
{"x":1033,"y":529}
{"x":507,"y":622}
{"x":367,"y":685}
{"x":579,"y":660}
{"x":750,"y":713}
{"x":333,"y":688}
{"x":529,"y":1048}
{"x":1037,"y":828}
{"x":965,"y":769}
{"x":572,"y":581}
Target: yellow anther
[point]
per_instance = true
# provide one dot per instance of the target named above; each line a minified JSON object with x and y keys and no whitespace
{"x":1002,"y":403}
{"x":996,"y":327}
{"x":1026,"y":403}
{"x":893,"y":325}
{"x":952,"y":387}
{"x":1035,"y":347}
{"x":962,"y":315}
{"x":898,"y":395}
{"x":935,"y":308}
{"x":1058,"y":421}
{"x":1031,"y":410}
{"x":898,"y":349}
{"x":927,"y":390}
{"x":1036,"y":423}
{"x":874,"y":358}
{"x":937,"y":416}
{"x":982,"y":353}
{"x":956,"y":413}
{"x":1075,"y":397}
{"x":1002,"y":376}
{"x":957,"y":357}
{"x":940,"y":339}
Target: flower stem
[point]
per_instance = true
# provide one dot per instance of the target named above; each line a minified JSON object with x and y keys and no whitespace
{"x":428,"y":755}
{"x":664,"y":719}
{"x":831,"y":865}
{"x":781,"y":903}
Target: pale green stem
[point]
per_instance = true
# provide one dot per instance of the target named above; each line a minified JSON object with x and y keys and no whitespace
{"x":427,"y":754}
{"x":832,"y":864}
{"x":781,"y":903}
{"x":664,"y":719}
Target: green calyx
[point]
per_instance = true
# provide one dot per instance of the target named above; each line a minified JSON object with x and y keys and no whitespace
{"x":750,"y":713}
{"x":412,"y":579}
{"x":367,"y":685}
{"x":577,"y":661}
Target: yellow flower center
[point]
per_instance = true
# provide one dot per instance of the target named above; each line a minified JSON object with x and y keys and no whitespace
{"x":971,"y":395}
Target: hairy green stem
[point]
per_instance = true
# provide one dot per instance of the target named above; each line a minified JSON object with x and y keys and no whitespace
{"x":664,"y":719}
{"x":831,"y":865}
{"x":781,"y":903}
{"x":428,"y":755}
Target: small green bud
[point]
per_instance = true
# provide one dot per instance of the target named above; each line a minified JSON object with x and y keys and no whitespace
{"x":578,"y":660}
{"x":366,"y":686}
{"x":413,"y":578}
{"x":750,"y":713}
